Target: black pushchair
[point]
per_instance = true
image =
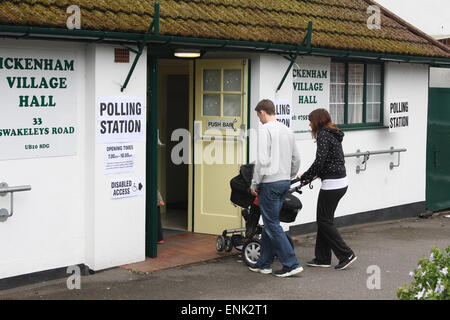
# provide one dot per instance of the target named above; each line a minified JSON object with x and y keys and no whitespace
{"x":248,"y":239}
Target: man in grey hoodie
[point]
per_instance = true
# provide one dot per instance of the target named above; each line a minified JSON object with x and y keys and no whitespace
{"x":277,"y":163}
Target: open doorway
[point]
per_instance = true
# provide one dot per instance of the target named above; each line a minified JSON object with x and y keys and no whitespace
{"x":173,"y":180}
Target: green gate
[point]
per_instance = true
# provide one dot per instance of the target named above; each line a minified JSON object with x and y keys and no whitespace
{"x":438,"y":150}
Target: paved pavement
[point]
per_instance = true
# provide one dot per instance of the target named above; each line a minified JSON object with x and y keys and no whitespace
{"x":394,"y":247}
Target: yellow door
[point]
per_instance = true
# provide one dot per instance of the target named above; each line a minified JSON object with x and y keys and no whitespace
{"x":219,"y":141}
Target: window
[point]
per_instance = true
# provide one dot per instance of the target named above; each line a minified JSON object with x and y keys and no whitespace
{"x":337,"y":92}
{"x":356,"y":93}
{"x":222,"y":92}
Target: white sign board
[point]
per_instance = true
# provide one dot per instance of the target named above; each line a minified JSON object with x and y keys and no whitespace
{"x":120,"y":119}
{"x":119,"y":158}
{"x":126,"y":188}
{"x":283,"y":112}
{"x":38,"y":107}
{"x":398,"y":115}
{"x":311,"y":90}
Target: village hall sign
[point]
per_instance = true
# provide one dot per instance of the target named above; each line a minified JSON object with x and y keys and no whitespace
{"x":38,"y":105}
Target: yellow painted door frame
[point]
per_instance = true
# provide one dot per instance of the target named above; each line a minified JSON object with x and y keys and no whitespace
{"x":219,"y":126}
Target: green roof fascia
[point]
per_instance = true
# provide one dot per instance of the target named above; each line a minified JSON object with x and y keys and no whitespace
{"x":105,"y":36}
{"x":381,"y":56}
{"x":67,"y":34}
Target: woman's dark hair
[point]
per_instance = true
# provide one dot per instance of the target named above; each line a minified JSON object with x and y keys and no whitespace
{"x":320,"y":118}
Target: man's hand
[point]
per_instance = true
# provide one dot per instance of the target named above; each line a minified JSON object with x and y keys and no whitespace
{"x":254,"y":192}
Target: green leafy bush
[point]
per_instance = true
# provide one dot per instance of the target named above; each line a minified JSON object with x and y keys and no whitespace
{"x":431,"y":278}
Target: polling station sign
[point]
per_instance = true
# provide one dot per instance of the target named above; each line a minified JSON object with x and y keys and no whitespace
{"x":120,"y":119}
{"x":126,"y":188}
{"x":398,"y":115}
{"x":283,"y":111}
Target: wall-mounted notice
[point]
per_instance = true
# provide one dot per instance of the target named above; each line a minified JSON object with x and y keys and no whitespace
{"x":311,"y":90}
{"x":125,"y":188}
{"x":398,"y":115}
{"x":120,"y":119}
{"x":283,"y":112}
{"x":119,"y":158}
{"x":38,"y":108}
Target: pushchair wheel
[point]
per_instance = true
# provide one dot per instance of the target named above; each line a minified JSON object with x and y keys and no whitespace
{"x":251,"y":252}
{"x":228,"y":244}
{"x":220,"y":243}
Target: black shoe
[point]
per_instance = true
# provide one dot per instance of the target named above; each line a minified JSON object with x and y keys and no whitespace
{"x":287,"y":272}
{"x":317,"y":263}
{"x":345,"y":263}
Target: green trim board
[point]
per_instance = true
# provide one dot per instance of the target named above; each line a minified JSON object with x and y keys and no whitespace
{"x":361,"y":127}
{"x":154,"y":25}
{"x":306,"y":39}
{"x":151,"y":210}
{"x":120,"y":37}
{"x":194,"y":75}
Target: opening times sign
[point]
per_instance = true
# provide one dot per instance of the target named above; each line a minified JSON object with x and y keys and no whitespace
{"x":310,"y":91}
{"x":38,"y":103}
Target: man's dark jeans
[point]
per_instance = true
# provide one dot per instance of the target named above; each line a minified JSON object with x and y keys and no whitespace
{"x":274,"y":241}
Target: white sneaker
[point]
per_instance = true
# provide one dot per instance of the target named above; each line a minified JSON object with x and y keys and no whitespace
{"x":287,"y":272}
{"x":263,"y":271}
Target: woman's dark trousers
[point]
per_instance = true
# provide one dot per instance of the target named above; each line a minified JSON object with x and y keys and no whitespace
{"x":328,"y":237}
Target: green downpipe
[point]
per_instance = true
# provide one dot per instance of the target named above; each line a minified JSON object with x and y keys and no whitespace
{"x":151,"y":212}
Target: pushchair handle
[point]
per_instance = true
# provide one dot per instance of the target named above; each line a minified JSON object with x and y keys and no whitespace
{"x":302,"y":184}
{"x":295,"y":180}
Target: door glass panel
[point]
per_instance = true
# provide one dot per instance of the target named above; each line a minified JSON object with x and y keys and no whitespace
{"x":232,"y":80}
{"x":232,"y":105}
{"x":211,"y":80}
{"x":211,"y":105}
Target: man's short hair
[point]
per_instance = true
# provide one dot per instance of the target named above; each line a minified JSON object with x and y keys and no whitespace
{"x":266,"y":105}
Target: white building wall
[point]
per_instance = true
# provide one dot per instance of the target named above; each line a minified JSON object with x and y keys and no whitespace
{"x":439,"y":78}
{"x":378,"y":187}
{"x":47,"y":228}
{"x":115,"y":228}
{"x":68,"y":217}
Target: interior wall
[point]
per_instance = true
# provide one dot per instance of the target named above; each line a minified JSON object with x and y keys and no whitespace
{"x":174,"y":108}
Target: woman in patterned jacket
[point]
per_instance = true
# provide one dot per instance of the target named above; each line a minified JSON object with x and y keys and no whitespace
{"x":329,"y":167}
